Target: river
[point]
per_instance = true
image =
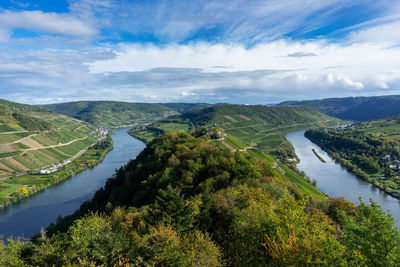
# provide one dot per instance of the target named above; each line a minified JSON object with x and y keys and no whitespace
{"x":335,"y":180}
{"x":28,"y":216}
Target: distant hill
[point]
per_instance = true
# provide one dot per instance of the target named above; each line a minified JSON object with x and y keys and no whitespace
{"x":247,"y":126}
{"x":269,"y":115}
{"x":355,"y":108}
{"x":113,"y":113}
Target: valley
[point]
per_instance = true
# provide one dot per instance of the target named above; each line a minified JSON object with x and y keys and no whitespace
{"x":368,"y":149}
{"x":217,"y":168}
{"x":116,"y":114}
{"x":39,"y":148}
{"x":260,"y":127}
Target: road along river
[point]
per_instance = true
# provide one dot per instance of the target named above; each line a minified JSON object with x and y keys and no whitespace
{"x":28,"y":216}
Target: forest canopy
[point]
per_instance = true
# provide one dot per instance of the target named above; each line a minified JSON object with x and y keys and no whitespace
{"x":187,"y":202}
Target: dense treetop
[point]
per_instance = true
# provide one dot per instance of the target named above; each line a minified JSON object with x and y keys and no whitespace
{"x":187,"y":202}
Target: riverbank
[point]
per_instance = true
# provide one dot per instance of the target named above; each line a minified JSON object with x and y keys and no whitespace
{"x":335,"y":180}
{"x":132,"y":132}
{"x":360,"y":174}
{"x":24,"y":186}
{"x":374,"y":179}
{"x":26,"y":217}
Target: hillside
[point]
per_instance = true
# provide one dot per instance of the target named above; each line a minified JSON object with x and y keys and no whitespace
{"x":186,"y":202}
{"x":370,"y":149}
{"x":33,"y":138}
{"x":355,"y":108}
{"x":112,"y":113}
{"x":246,"y":126}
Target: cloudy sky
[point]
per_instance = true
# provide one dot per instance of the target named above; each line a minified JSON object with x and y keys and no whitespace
{"x":236,"y":51}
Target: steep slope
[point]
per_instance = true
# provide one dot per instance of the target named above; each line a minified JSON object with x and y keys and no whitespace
{"x":33,"y":138}
{"x":246,"y":126}
{"x":355,"y":108}
{"x":113,"y":113}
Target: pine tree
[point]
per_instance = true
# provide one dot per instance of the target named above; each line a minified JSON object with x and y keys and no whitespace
{"x":171,"y":208}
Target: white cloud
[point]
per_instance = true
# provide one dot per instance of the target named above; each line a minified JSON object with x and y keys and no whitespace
{"x":387,"y":33}
{"x":333,"y":79}
{"x":53,"y":23}
{"x":231,"y":68}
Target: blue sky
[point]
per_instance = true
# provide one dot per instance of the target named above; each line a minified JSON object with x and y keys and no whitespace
{"x":237,"y":51}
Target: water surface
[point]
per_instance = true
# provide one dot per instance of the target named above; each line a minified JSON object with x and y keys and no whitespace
{"x":336,"y":180}
{"x":28,"y":216}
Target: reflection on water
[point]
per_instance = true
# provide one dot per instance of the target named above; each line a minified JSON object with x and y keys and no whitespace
{"x":336,"y":180}
{"x":28,"y":216}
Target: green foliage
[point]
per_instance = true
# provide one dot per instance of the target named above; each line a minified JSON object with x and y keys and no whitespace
{"x":258,"y":126}
{"x":30,"y":123}
{"x":111,"y":113}
{"x":361,"y":149}
{"x":373,"y":234}
{"x":28,"y":134}
{"x":187,"y":202}
{"x":171,"y":208}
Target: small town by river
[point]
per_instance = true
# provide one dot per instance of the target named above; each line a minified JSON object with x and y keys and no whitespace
{"x":27,"y":217}
{"x":335,"y":180}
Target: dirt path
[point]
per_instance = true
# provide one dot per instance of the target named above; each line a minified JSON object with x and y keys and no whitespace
{"x":52,"y":146}
{"x":80,"y":153}
{"x":246,"y":148}
{"x":22,"y":139}
{"x":231,"y":148}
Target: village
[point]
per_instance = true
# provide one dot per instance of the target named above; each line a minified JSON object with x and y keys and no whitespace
{"x":394,"y":163}
{"x":345,"y":127}
{"x":101,"y":134}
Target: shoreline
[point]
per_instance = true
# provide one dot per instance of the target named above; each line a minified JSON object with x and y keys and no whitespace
{"x":65,"y":172}
{"x":349,"y":168}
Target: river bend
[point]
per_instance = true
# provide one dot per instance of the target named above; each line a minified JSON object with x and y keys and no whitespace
{"x":28,"y":216}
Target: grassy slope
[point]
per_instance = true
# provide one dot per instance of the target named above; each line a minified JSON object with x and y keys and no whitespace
{"x":112,"y":113}
{"x":257,"y":126}
{"x":32,"y":138}
{"x":355,"y":108}
{"x":255,"y":129}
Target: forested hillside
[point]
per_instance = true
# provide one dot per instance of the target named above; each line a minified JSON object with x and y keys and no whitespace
{"x":246,"y":126}
{"x":113,"y":113}
{"x":370,"y":149}
{"x":187,"y":202}
{"x":355,"y":108}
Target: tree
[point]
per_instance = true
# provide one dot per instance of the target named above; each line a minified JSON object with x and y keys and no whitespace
{"x":170,"y":207}
{"x":372,"y":233}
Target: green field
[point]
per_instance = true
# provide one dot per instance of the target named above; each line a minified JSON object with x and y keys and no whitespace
{"x":112,"y":113}
{"x":29,"y":150}
{"x":301,"y":183}
{"x":246,"y":126}
{"x":257,"y":130}
{"x":10,"y":189}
